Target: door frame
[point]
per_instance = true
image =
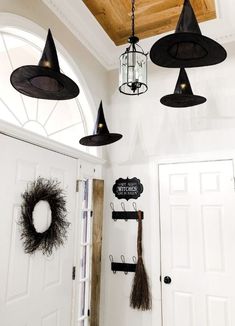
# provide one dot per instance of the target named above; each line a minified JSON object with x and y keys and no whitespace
{"x":183,"y":159}
{"x":83,"y":159}
{"x":27,"y":136}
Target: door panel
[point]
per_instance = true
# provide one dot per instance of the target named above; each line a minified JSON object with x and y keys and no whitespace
{"x":197,"y":204}
{"x":35,"y":290}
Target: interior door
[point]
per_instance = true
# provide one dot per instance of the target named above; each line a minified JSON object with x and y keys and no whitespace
{"x":35,"y":290}
{"x":197,"y":217}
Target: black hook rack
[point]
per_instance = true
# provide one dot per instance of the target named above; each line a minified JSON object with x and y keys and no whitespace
{"x":125,"y":215}
{"x":123,"y":266}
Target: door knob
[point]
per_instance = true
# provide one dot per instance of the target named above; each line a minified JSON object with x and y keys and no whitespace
{"x":167,"y":279}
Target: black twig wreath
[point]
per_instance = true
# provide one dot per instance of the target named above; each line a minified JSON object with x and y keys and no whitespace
{"x":56,"y":234}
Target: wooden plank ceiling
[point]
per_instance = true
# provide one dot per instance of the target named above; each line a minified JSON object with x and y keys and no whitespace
{"x":152,"y":17}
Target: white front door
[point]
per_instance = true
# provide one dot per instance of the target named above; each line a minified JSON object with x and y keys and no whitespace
{"x":34,"y":290}
{"x":197,"y":214}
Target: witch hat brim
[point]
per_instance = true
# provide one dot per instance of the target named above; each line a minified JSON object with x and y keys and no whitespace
{"x":182,"y":101}
{"x":187,"y":47}
{"x":183,"y":96}
{"x":101,"y":135}
{"x":100,"y":140}
{"x":44,"y":81}
{"x":186,"y":50}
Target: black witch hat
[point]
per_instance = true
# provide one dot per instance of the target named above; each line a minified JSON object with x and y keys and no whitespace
{"x":187,"y":47}
{"x":183,"y":96}
{"x":45,"y":81}
{"x":101,"y":135}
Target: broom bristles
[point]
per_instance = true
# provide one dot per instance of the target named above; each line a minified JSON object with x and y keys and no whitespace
{"x":140,"y":295}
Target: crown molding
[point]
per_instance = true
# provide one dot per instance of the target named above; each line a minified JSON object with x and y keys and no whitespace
{"x":80,"y":21}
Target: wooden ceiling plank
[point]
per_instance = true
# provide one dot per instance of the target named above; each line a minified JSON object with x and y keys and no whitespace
{"x":107,"y":15}
{"x":159,"y":28}
{"x":143,"y":23}
{"x":146,"y":7}
{"x":198,"y":5}
{"x":210,"y":5}
{"x":152,"y":16}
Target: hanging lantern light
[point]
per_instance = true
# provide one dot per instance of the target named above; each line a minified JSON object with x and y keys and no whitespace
{"x":133,"y":65}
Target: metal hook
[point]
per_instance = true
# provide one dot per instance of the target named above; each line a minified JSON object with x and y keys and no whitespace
{"x":136,"y":210}
{"x":112,"y":206}
{"x":123,"y":259}
{"x":111,"y":260}
{"x":123,"y":206}
{"x":134,"y":206}
{"x":124,"y":209}
{"x":134,"y":259}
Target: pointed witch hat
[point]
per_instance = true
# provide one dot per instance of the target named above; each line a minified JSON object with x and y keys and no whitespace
{"x":101,"y":135}
{"x":45,"y":81}
{"x":183,"y":96}
{"x":187,"y":47}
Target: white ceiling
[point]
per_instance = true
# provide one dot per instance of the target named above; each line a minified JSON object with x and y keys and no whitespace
{"x":76,"y":16}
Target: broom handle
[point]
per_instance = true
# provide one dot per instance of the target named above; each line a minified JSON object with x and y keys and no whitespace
{"x":139,"y":238}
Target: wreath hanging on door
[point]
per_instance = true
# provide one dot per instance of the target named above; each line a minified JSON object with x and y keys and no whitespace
{"x":43,"y":190}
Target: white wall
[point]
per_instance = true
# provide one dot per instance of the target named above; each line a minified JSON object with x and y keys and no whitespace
{"x":152,"y":132}
{"x":119,"y":238}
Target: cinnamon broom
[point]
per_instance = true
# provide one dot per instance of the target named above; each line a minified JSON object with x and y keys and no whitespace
{"x":140,"y":294}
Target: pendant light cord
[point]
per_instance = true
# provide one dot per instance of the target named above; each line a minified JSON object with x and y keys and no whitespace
{"x":133,"y":17}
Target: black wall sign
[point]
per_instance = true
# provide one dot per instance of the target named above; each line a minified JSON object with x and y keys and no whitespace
{"x":128,"y":188}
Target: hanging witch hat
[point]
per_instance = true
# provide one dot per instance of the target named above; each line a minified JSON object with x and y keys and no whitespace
{"x":101,"y":135}
{"x":183,"y":96}
{"x":187,"y":47}
{"x":45,"y":81}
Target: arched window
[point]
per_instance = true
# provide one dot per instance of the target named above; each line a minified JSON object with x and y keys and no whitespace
{"x":63,"y":121}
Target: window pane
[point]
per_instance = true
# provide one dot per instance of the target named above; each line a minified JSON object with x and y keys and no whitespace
{"x":82,"y":298}
{"x":86,"y":194}
{"x":85,"y":254}
{"x":85,"y":227}
{"x":83,"y":270}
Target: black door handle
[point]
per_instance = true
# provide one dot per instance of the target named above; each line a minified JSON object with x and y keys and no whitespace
{"x":167,"y":279}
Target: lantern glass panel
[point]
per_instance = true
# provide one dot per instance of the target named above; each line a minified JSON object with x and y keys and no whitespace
{"x":133,"y":73}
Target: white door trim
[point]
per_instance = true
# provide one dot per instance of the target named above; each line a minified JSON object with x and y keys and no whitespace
{"x":195,"y":157}
{"x":9,"y":129}
{"x":220,"y":158}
